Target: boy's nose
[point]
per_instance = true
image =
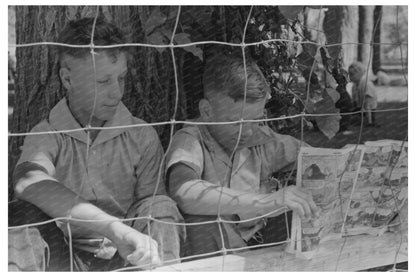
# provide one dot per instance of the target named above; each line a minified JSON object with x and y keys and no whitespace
{"x":114,"y":92}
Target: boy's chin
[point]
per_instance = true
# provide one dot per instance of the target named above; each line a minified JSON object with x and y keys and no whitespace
{"x":106,"y":116}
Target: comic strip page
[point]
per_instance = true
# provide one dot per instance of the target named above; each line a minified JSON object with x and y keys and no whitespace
{"x":329,"y":174}
{"x":393,"y":193}
{"x":359,"y":190}
{"x":375,"y":200}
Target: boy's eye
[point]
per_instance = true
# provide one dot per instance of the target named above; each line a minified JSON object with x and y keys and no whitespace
{"x":103,"y":81}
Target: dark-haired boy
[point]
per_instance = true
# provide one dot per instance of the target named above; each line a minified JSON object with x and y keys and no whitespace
{"x":207,"y":176}
{"x":99,"y":176}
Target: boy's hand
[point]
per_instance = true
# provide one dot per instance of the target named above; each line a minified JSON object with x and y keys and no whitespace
{"x":298,"y":200}
{"x":133,"y":246}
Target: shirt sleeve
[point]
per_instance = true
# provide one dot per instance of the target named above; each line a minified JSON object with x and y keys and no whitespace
{"x":39,"y":152}
{"x":149,"y":169}
{"x":186,"y":149}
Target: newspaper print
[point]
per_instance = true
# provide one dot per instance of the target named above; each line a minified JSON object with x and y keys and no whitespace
{"x":376,"y":200}
{"x":359,"y":189}
{"x":393,"y":194}
{"x":329,"y":175}
{"x":397,"y":173}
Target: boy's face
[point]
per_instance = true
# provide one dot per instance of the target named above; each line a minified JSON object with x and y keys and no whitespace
{"x":80,"y":82}
{"x":355,"y":75}
{"x":226,"y":109}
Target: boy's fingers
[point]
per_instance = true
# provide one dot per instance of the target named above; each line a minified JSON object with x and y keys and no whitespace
{"x":156,"y":260}
{"x":145,"y":255}
{"x":144,"y":261}
{"x":297,"y":208}
{"x":141,"y":255}
{"x":301,"y":198}
{"x":304,"y":194}
{"x":306,"y":208}
{"x":315,"y":209}
{"x":312,"y":206}
{"x":155,"y":254}
{"x":135,"y":257}
{"x":150,"y":258}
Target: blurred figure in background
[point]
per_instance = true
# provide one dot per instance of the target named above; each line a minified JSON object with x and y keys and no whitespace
{"x":363,"y":92}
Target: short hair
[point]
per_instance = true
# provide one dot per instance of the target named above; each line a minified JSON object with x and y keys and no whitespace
{"x":356,"y":67}
{"x":225,"y":75}
{"x":79,"y":31}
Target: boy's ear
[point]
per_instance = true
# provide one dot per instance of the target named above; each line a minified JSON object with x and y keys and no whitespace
{"x":205,"y":109}
{"x":65,"y":75}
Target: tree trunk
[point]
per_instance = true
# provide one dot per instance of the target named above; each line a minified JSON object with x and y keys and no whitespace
{"x":37,"y":84}
{"x":332,"y":27}
{"x":314,"y":20}
{"x":341,"y":26}
{"x":378,"y":13}
{"x":365,"y":36}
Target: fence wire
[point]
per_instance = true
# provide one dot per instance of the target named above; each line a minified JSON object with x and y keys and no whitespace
{"x":173,"y":121}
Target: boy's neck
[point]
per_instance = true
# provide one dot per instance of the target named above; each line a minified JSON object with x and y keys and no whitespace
{"x":227,"y":151}
{"x":83,"y":122}
{"x":94,"y":123}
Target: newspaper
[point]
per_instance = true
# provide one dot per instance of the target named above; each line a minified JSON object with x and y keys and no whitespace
{"x":330,"y":175}
{"x":358,"y":189}
{"x":392,"y":193}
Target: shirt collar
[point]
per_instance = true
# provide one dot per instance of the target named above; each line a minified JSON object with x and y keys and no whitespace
{"x":212,"y":145}
{"x":61,"y":119}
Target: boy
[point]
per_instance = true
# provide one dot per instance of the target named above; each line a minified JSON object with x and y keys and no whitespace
{"x":207,"y":178}
{"x":363,"y":92}
{"x":103,"y":175}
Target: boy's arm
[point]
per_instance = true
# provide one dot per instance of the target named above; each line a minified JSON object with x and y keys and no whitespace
{"x":199,"y":197}
{"x":38,"y":188}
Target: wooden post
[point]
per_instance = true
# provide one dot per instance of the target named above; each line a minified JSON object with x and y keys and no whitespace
{"x":365,"y":36}
{"x":378,"y":13}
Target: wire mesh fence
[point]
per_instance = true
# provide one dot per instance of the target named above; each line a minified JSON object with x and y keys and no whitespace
{"x":295,"y":37}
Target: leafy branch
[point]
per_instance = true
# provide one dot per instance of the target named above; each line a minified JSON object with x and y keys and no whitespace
{"x":157,"y":32}
{"x":289,"y":66}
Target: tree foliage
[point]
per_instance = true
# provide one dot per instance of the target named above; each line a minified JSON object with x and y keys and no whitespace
{"x":292,"y":69}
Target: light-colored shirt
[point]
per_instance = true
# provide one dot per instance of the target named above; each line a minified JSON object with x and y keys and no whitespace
{"x":123,"y":163}
{"x":250,"y":169}
{"x":365,"y":92}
